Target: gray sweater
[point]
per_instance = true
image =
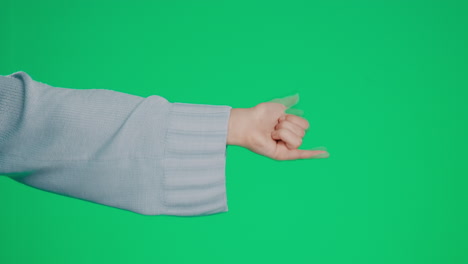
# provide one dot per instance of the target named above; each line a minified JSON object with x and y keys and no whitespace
{"x":144,"y":155}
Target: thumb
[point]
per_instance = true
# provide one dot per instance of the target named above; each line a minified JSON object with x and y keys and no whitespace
{"x":287,"y":101}
{"x":293,"y":111}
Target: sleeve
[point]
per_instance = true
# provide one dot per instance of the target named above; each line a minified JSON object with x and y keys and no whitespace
{"x":144,"y":155}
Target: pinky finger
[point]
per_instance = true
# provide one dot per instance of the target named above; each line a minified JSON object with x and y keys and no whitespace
{"x":308,"y":154}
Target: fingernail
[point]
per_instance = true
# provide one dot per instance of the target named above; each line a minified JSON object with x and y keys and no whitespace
{"x":320,"y":156}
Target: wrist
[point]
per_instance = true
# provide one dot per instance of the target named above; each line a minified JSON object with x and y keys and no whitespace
{"x":236,"y":132}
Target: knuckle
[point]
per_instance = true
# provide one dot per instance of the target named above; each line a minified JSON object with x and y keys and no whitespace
{"x":260,"y":109}
{"x":277,"y":156}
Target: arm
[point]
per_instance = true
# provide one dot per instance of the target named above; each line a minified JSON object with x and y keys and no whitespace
{"x":145,"y":155}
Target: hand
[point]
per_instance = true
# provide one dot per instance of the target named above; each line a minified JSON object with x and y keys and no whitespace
{"x":268,"y":130}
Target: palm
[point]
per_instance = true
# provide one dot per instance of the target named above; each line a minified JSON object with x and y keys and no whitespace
{"x":265,"y":117}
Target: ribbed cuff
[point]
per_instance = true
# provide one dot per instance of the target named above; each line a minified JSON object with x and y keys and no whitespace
{"x":194,"y":181}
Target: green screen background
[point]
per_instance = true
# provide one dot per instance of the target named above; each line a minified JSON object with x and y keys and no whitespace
{"x":382,"y":83}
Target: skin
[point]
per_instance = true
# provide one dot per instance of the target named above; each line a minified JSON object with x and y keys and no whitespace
{"x":267,"y":130}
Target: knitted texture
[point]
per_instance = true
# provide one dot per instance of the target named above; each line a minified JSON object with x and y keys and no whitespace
{"x":144,"y":155}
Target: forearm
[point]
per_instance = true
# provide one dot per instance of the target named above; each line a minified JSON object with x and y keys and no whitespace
{"x":145,"y":155}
